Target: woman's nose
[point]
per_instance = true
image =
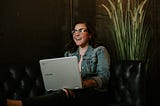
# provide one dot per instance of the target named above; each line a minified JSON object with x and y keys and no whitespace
{"x":76,"y":34}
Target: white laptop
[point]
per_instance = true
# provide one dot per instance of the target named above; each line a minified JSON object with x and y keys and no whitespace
{"x":60,"y":73}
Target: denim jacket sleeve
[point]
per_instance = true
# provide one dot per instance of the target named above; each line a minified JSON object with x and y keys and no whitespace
{"x":102,"y":66}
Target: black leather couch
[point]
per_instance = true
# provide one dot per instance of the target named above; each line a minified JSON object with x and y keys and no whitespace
{"x":126,"y":88}
{"x":127,"y":83}
{"x":20,"y":80}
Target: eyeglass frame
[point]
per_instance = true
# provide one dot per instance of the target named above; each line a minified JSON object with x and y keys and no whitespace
{"x":81,"y":30}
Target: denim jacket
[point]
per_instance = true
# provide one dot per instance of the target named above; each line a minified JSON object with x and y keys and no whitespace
{"x":95,"y":64}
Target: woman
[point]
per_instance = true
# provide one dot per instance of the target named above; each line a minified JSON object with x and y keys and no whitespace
{"x":93,"y":61}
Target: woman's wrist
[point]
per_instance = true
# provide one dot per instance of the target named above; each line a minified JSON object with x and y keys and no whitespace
{"x":89,"y":83}
{"x":13,"y":102}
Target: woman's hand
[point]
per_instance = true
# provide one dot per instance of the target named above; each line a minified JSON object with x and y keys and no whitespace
{"x":89,"y":83}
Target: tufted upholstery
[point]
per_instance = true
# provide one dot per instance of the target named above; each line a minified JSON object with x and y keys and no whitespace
{"x":127,"y":84}
{"x":126,"y":87}
{"x":20,"y":80}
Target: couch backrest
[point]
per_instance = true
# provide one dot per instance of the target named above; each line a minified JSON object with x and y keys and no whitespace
{"x":20,"y":80}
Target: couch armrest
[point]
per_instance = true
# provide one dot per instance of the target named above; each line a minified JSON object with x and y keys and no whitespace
{"x":20,"y":80}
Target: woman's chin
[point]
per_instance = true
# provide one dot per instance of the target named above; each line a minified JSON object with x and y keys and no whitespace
{"x":78,"y":44}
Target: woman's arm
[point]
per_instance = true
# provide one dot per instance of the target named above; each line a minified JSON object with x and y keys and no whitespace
{"x":102,"y":68}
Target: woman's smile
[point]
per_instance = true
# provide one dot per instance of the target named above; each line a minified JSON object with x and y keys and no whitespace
{"x":78,"y":39}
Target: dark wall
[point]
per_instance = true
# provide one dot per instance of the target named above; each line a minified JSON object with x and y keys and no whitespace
{"x":32,"y":29}
{"x":153,"y":75}
{"x":35,"y":29}
{"x":84,"y":10}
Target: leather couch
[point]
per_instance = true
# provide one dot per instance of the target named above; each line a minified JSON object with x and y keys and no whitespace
{"x":126,"y":88}
{"x":127,"y":83}
{"x":20,"y":80}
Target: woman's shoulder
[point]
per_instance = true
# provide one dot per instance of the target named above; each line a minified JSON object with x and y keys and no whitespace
{"x":100,"y":48}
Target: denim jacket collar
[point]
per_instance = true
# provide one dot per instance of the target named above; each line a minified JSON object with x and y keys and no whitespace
{"x":87,"y":54}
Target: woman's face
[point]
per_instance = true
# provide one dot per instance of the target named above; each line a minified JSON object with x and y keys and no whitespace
{"x":80,"y":35}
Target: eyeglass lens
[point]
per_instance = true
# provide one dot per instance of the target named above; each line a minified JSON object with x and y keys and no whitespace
{"x":79,"y":30}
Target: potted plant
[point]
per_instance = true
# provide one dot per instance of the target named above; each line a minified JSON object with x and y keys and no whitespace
{"x":130,"y":34}
{"x":131,"y":37}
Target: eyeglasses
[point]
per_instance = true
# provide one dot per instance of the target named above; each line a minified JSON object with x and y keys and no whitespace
{"x":79,"y":30}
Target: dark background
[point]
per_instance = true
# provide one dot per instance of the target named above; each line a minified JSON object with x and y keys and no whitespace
{"x":34,"y":29}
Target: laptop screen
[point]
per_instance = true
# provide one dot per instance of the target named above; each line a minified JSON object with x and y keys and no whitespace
{"x":61,"y":73}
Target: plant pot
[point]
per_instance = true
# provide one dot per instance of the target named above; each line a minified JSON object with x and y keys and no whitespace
{"x":127,"y":83}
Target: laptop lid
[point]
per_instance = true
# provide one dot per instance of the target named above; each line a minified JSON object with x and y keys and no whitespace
{"x":61,"y":73}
